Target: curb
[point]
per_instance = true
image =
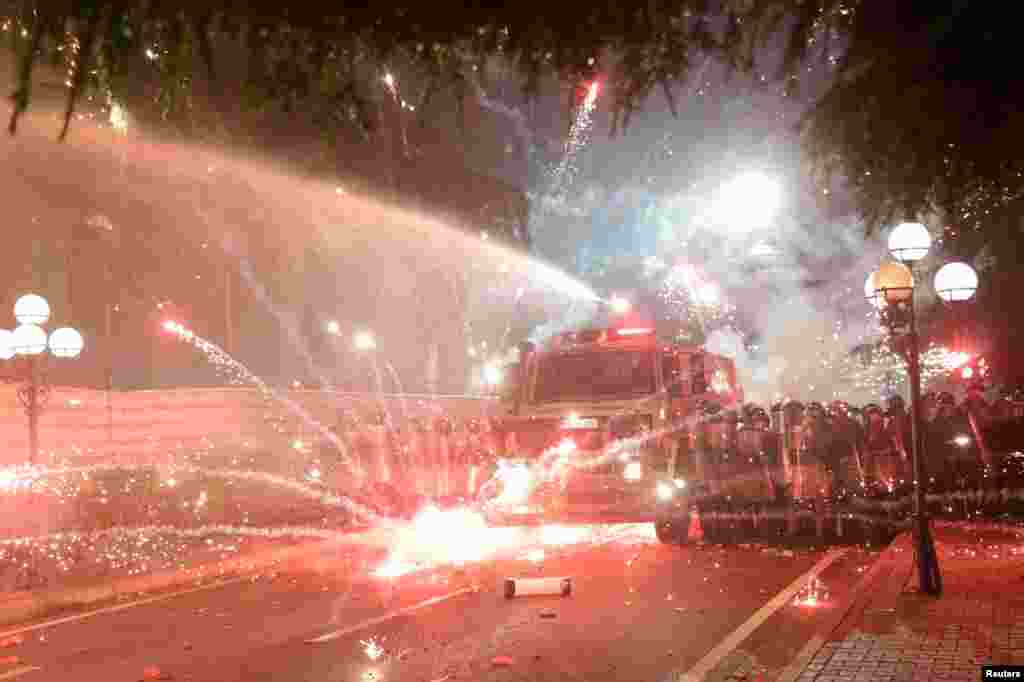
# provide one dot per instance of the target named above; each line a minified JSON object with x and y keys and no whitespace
{"x":890,"y":575}
{"x":21,"y":607}
{"x":981,"y":525}
{"x":886,"y":567}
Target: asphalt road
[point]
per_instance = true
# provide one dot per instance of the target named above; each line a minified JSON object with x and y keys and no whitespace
{"x":639,"y":611}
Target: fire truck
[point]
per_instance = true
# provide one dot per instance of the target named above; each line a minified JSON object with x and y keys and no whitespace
{"x":594,"y":425}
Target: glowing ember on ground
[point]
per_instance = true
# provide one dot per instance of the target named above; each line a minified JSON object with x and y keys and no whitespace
{"x":372,"y":649}
{"x":812,"y":595}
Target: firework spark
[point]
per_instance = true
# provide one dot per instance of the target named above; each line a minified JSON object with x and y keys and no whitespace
{"x":565,"y":172}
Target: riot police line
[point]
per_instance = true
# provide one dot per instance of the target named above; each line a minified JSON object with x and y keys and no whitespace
{"x":395,"y":465}
{"x":791,"y":458}
{"x":800,"y":462}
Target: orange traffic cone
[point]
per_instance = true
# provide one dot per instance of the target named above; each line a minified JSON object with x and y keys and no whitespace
{"x":696,"y":532}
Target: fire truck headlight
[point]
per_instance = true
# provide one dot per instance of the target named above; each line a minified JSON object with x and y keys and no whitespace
{"x":680,"y":483}
{"x":634,"y":471}
{"x":665,"y":492}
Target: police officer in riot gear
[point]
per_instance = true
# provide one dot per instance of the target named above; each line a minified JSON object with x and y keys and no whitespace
{"x":844,"y":450}
{"x":940,"y":440}
{"x":900,"y":431}
{"x":816,"y":434}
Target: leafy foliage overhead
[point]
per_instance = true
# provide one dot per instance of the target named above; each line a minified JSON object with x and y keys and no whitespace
{"x":300,"y":53}
{"x":923,"y":114}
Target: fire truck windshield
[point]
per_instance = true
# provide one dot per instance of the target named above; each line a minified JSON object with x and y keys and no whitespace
{"x":595,"y":375}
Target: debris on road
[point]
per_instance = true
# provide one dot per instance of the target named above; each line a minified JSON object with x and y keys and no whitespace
{"x":525,"y":587}
{"x":10,"y":660}
{"x":154,"y":673}
{"x":502,"y":661}
{"x":548,"y":614}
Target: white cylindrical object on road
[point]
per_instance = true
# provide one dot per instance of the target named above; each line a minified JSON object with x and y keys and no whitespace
{"x":533,"y":587}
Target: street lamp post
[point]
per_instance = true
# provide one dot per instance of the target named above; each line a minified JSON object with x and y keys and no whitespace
{"x":29,"y":344}
{"x":891,"y":290}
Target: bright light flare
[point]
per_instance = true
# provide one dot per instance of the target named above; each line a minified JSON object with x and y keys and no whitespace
{"x":181,"y":330}
{"x":334,"y":327}
{"x":364,"y":341}
{"x":438,"y":537}
{"x":9,"y":480}
{"x":492,"y":374}
{"x":720,"y":382}
{"x":962,"y":440}
{"x":707,"y":295}
{"x":634,"y":471}
{"x":517,"y":483}
{"x":394,"y":567}
{"x":945,"y":359}
{"x":118,"y":118}
{"x":749,"y":201}
{"x":561,"y":536}
{"x":634,"y":331}
{"x":535,"y":555}
{"x":665,"y":492}
{"x":619,"y":305}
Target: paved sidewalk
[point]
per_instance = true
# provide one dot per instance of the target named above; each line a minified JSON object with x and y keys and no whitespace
{"x":892,"y":633}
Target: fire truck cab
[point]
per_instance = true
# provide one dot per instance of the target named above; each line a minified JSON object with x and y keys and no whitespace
{"x":608,"y":409}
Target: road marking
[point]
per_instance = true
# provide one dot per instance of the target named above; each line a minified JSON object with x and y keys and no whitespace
{"x":879,"y":572}
{"x":18,"y":672}
{"x":729,"y":644}
{"x":122,"y":607}
{"x":330,"y":636}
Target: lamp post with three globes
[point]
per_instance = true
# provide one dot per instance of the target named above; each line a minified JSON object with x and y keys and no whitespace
{"x":890,"y":289}
{"x":28,"y":345}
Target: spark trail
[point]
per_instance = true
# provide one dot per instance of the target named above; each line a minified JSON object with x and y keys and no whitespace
{"x":237,"y":373}
{"x":565,"y":172}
